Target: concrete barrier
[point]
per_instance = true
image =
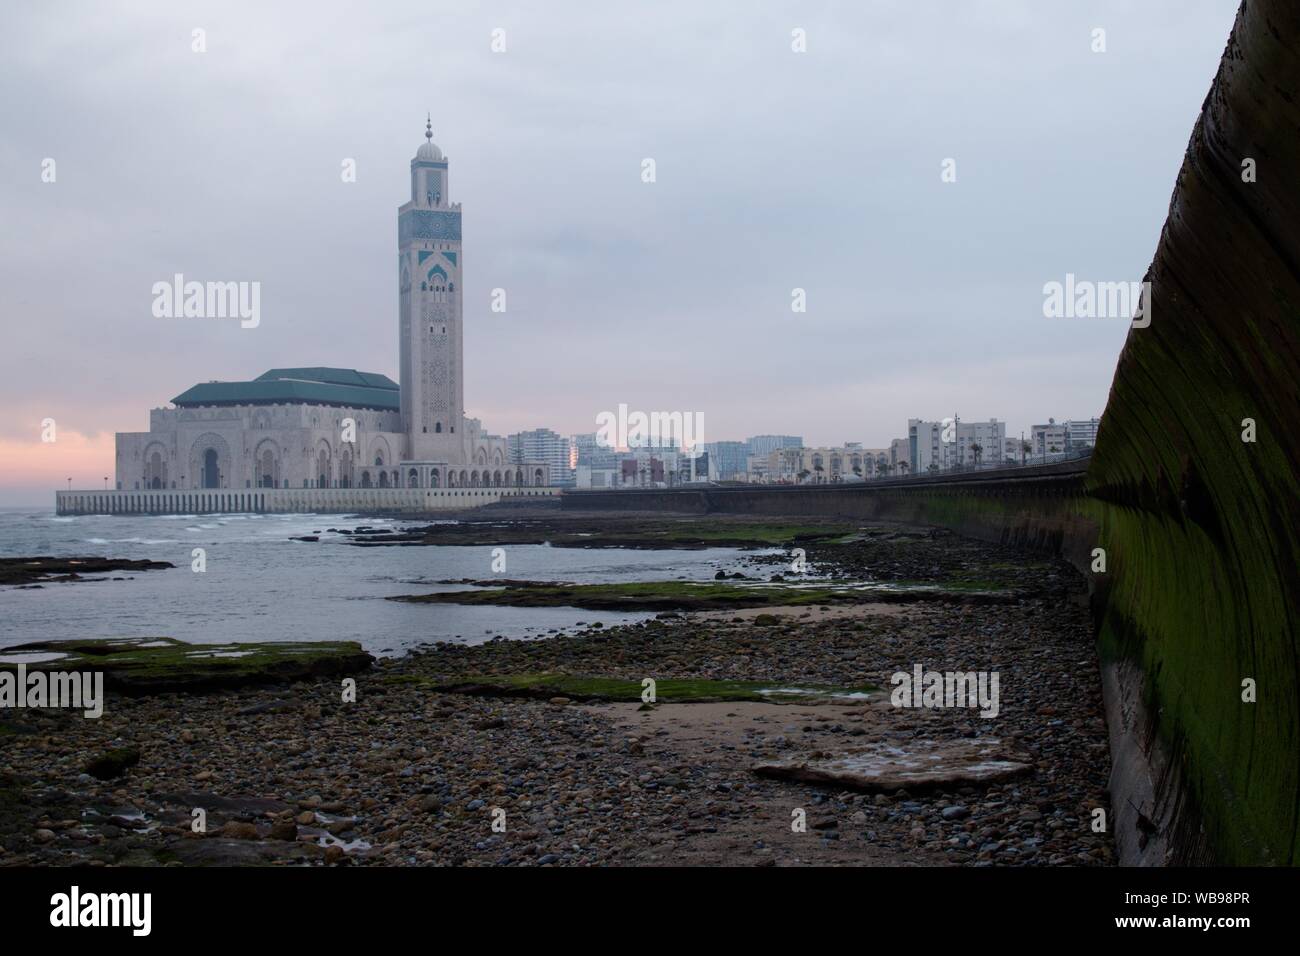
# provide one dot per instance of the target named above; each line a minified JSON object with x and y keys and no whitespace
{"x":1041,"y":507}
{"x":1200,"y":526}
{"x":1201,"y":529}
{"x":290,"y":500}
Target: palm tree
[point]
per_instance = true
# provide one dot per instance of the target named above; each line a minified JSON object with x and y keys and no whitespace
{"x":1025,"y":449}
{"x":977,"y":450}
{"x":803,"y":475}
{"x":819,"y":469}
{"x":905,"y":466}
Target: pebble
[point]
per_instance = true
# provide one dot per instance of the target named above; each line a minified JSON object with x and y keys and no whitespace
{"x":407,"y":777}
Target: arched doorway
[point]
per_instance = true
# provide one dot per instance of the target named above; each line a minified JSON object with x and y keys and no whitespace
{"x":211,"y":469}
{"x":155,"y":468}
{"x":266,"y":470}
{"x":345,"y":468}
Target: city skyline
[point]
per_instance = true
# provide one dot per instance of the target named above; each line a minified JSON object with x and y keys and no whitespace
{"x":658,"y":435}
{"x":673,"y":294}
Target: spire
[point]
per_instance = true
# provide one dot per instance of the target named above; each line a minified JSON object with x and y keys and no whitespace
{"x":428,"y":149}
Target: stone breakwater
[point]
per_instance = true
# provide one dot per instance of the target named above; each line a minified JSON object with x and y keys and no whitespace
{"x":411,"y":775}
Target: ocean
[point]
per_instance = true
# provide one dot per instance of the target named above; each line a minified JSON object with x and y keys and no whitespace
{"x":261,"y":586}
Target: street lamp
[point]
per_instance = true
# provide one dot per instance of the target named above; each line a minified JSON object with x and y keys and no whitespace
{"x":69,"y":484}
{"x":106,"y":482}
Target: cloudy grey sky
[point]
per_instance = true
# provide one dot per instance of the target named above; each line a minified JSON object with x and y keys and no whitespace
{"x":775,"y":170}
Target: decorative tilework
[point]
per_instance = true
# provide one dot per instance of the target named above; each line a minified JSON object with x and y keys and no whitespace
{"x":417,"y":224}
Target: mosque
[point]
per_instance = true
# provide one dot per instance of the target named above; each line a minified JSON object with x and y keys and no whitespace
{"x":313,"y":429}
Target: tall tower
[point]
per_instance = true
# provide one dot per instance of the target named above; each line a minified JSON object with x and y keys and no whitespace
{"x":429,"y":268}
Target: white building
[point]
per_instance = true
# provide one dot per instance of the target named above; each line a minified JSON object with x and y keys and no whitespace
{"x":900,"y":457}
{"x":953,"y":443}
{"x":848,"y":462}
{"x":588,"y":476}
{"x":544,"y":445}
{"x":336,"y":427}
{"x":1048,"y":440}
{"x":1081,"y":434}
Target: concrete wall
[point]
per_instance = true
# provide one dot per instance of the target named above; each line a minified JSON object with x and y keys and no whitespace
{"x":292,"y":500}
{"x":1039,"y":507}
{"x":1202,"y":528}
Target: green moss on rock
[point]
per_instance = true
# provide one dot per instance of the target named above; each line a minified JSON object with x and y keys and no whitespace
{"x":113,"y":763}
{"x":693,"y":596}
{"x":160,"y":665}
{"x":670,"y":691}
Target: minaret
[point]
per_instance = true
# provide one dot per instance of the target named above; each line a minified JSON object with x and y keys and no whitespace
{"x":429,"y":264}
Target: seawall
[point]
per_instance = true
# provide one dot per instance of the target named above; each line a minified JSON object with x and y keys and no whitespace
{"x":412,"y":501}
{"x":1193,"y":491}
{"x":1203,"y":527}
{"x":1038,"y":507}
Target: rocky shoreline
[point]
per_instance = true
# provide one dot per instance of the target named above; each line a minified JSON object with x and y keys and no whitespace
{"x":412,"y":772}
{"x":41,"y":570}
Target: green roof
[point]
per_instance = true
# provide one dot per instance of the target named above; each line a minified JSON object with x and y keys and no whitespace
{"x":290,"y":386}
{"x":329,"y":376}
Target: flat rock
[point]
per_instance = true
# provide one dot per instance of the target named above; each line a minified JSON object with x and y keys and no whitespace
{"x":238,"y":830}
{"x":256,"y":806}
{"x":925,"y":764}
{"x":215,"y":851}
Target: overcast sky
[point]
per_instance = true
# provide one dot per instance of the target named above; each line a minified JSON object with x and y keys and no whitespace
{"x":775,"y":170}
